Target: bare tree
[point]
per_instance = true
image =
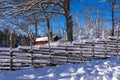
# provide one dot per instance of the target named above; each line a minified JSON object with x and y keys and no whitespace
{"x":34,"y":20}
{"x":23,"y":26}
{"x":113,"y":13}
{"x":55,"y":7}
{"x":114,"y":7}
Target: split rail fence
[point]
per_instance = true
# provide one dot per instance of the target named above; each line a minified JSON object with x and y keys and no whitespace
{"x":75,"y":53}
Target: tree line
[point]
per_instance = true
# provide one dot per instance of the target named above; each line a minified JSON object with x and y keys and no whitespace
{"x":28,"y":17}
{"x":8,"y":39}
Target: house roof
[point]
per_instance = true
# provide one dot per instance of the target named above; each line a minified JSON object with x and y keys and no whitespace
{"x":42,"y":39}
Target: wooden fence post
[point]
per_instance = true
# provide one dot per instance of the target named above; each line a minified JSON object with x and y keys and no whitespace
{"x":50,"y":57}
{"x":11,"y":60}
{"x":66,"y":53}
{"x":93,"y":55}
{"x":32,"y":58}
{"x":117,"y":47}
{"x":81,"y":54}
{"x":105,"y":51}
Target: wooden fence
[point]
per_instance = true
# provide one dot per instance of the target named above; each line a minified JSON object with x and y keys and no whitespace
{"x":74,"y":53}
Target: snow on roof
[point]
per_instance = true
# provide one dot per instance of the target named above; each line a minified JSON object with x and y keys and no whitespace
{"x":42,"y":39}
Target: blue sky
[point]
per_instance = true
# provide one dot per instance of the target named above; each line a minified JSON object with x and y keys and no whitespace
{"x":76,"y":6}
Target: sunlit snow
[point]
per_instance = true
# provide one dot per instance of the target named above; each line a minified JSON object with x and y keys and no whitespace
{"x":103,"y":69}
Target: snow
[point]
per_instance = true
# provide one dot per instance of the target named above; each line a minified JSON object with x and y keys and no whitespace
{"x":6,"y":48}
{"x":28,"y":47}
{"x":42,"y":39}
{"x":102,"y":69}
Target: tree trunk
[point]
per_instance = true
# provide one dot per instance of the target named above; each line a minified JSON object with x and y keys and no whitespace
{"x":11,"y":40}
{"x":69,"y":22}
{"x":36,"y":30}
{"x":69,"y":29}
{"x":49,"y":31}
{"x":113,"y":25}
{"x":97,"y":26}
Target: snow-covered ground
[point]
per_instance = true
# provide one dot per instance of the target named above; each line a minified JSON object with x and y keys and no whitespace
{"x":106,"y":69}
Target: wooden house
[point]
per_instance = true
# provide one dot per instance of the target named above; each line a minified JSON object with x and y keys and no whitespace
{"x":44,"y":40}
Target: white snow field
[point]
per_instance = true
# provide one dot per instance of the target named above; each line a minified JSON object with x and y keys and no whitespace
{"x":102,"y":69}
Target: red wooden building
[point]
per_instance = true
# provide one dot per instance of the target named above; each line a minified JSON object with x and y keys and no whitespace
{"x":44,"y":40}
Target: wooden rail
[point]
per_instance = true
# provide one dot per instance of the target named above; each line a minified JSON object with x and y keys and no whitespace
{"x":75,"y":53}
